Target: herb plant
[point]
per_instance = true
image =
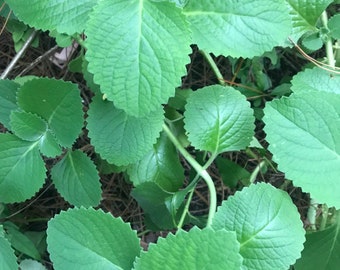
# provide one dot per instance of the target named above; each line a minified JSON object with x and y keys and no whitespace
{"x":133,"y":56}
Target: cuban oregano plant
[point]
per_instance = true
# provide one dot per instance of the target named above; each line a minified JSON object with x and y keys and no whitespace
{"x":135,"y":55}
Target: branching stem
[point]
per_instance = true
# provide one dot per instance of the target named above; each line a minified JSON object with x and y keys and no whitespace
{"x":199,"y":169}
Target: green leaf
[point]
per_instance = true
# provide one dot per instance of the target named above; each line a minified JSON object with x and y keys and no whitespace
{"x":231,"y":172}
{"x":156,"y":203}
{"x":119,"y":138}
{"x":63,"y":15}
{"x":91,"y":239}
{"x":49,"y":146}
{"x":161,"y":165}
{"x":218,"y":119}
{"x":304,"y":135}
{"x":58,"y":102}
{"x":21,"y":242}
{"x":27,"y":126}
{"x":315,"y":79}
{"x":322,"y":249}
{"x":8,"y":261}
{"x":137,"y":51}
{"x":194,"y":250}
{"x":304,"y":15}
{"x":77,"y":180}
{"x":22,"y":171}
{"x":8,"y":91}
{"x":312,"y":41}
{"x":267,"y":225}
{"x":334,"y":26}
{"x":238,"y":28}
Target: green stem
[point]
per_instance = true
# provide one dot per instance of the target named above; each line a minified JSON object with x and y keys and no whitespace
{"x":311,"y":214}
{"x":199,"y":169}
{"x":214,"y":67}
{"x":328,"y":44}
{"x":324,"y":217}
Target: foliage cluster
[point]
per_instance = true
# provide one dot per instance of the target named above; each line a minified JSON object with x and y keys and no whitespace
{"x":133,"y":54}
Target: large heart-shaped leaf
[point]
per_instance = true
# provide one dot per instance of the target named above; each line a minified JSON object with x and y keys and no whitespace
{"x":267,"y":225}
{"x":119,"y":138}
{"x":22,"y":170}
{"x":194,"y":250}
{"x":137,"y":51}
{"x":218,"y":119}
{"x":91,"y":239}
{"x":238,"y":28}
{"x":77,"y":180}
{"x":66,"y":16}
{"x":304,"y":135}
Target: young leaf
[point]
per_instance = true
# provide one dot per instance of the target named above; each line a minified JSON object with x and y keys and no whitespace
{"x":238,"y":28}
{"x":137,"y":51}
{"x":304,"y":135}
{"x":63,"y":15}
{"x":22,"y":170}
{"x":195,"y":250}
{"x":8,"y":102}
{"x":8,"y":261}
{"x":322,"y":249}
{"x":119,"y":138}
{"x":267,"y":226}
{"x":27,"y":126}
{"x":91,"y":239}
{"x":218,"y":119}
{"x":77,"y":180}
{"x":161,"y":165}
{"x":31,"y":265}
{"x":315,"y":79}
{"x":304,"y":15}
{"x":49,"y":146}
{"x":58,"y":102}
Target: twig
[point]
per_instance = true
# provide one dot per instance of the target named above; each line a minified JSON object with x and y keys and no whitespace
{"x":18,"y":55}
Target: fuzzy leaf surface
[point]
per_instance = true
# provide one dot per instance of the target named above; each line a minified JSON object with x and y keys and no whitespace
{"x":27,"y":126}
{"x":8,"y":261}
{"x":66,"y":16}
{"x":304,"y":15}
{"x":161,"y":165}
{"x":316,"y":79}
{"x":322,"y":249}
{"x":119,"y":138}
{"x":77,"y":180}
{"x":304,"y":135}
{"x":267,"y":225}
{"x":8,"y":102}
{"x":238,"y":28}
{"x":22,"y":171}
{"x":137,"y":51}
{"x":91,"y":239}
{"x":194,"y":250}
{"x":218,"y":119}
{"x":58,"y":103}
